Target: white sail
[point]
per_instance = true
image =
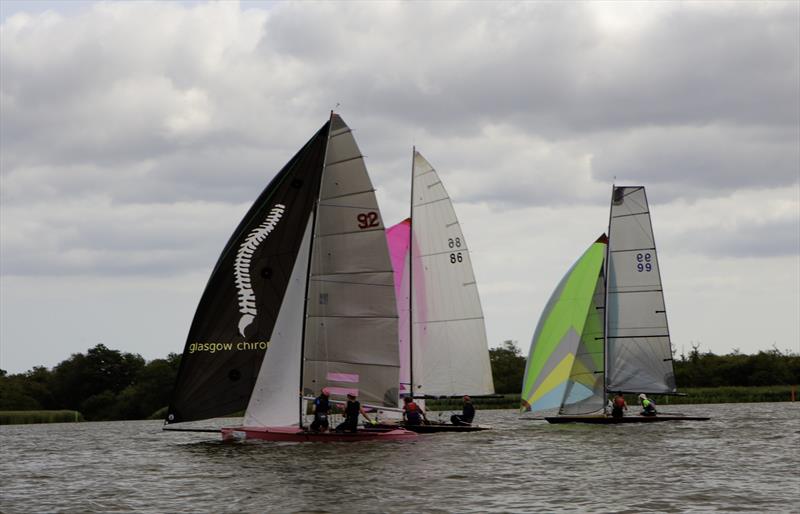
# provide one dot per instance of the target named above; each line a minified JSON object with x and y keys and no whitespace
{"x":351,"y":326}
{"x":639,"y":352}
{"x":274,"y":401}
{"x":449,"y":347}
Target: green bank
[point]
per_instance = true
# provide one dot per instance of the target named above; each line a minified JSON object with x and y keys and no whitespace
{"x":25,"y":417}
{"x":694,"y":395}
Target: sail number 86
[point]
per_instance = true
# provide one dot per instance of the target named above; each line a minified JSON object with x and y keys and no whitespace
{"x":456,"y":257}
{"x":643,"y":262}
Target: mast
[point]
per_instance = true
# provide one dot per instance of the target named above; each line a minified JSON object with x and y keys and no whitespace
{"x":308,"y":272}
{"x":410,"y":279}
{"x":605,"y":303}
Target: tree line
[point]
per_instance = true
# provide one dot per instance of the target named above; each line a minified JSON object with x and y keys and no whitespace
{"x":106,"y":384}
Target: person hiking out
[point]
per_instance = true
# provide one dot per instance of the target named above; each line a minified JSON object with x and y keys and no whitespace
{"x":467,"y":413}
{"x":413,"y":413}
{"x":648,"y":406}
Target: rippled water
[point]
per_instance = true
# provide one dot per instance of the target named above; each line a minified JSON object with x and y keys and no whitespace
{"x":744,"y":459}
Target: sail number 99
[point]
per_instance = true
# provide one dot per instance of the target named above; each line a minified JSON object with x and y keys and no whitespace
{"x":367,"y":219}
{"x":454,"y":243}
{"x":643,"y":262}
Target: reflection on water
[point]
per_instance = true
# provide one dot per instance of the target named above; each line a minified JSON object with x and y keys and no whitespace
{"x":744,"y":459}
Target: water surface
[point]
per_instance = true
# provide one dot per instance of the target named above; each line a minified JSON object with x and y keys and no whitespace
{"x":744,"y":459}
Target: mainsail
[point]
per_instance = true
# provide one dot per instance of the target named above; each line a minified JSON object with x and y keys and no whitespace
{"x":565,"y":362}
{"x":639,"y":352}
{"x":301,"y":298}
{"x":449,"y":351}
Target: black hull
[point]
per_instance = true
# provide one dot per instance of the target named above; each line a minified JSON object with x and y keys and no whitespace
{"x":604,"y":420}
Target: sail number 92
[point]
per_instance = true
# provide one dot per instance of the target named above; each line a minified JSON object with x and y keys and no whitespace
{"x":644,"y":262}
{"x":367,"y":219}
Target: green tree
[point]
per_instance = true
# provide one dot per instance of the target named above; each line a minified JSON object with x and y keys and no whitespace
{"x":508,"y":368}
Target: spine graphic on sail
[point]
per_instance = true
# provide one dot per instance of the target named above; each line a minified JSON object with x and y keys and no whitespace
{"x":241,"y":273}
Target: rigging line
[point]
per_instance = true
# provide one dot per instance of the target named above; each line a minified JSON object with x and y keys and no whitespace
{"x":347,"y":194}
{"x":446,"y":320}
{"x":329,"y":164}
{"x":432,"y":201}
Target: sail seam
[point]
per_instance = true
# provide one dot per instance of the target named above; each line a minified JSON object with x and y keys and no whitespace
{"x":343,"y":132}
{"x":346,"y":195}
{"x":432,"y":201}
{"x":446,"y":320}
{"x":454,"y":250}
{"x":354,"y":317}
{"x":350,"y":232}
{"x":328,"y":165}
{"x":354,"y":363}
{"x":632,"y":250}
{"x":627,"y":215}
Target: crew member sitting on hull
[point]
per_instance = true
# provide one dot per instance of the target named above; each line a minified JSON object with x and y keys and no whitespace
{"x":322,"y":408}
{"x":351,"y":412}
{"x":413,"y":413}
{"x":618,"y":405}
{"x":467,"y":414}
{"x":648,"y":406}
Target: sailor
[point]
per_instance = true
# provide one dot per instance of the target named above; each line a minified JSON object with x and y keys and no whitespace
{"x":467,"y":413}
{"x":648,"y":406}
{"x":618,"y":406}
{"x":322,"y":408}
{"x":351,"y":412}
{"x":413,"y":413}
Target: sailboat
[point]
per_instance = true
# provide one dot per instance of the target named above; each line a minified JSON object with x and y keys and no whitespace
{"x":443,"y":347}
{"x":604,"y":329}
{"x":300,"y":299}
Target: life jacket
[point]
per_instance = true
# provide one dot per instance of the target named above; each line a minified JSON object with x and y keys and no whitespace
{"x":619,"y":402}
{"x":648,"y":406}
{"x":413,"y":412}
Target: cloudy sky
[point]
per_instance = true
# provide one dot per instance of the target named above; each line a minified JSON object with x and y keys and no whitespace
{"x":135,"y":136}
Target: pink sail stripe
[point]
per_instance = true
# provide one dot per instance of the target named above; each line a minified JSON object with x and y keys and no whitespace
{"x":343,"y":377}
{"x":342,"y":391}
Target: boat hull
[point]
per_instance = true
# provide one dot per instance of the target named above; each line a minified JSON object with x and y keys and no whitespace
{"x":295,"y":435}
{"x":606,"y":420}
{"x":435,"y":428}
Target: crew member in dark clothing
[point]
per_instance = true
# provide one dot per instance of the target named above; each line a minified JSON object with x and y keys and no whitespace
{"x":467,"y":414}
{"x":413,"y":413}
{"x":351,"y":412}
{"x":618,"y":406}
{"x":322,"y":408}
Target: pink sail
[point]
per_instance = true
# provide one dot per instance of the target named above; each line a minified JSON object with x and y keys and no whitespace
{"x":398,"y":237}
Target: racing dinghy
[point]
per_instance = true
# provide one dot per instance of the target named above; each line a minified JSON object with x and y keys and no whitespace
{"x":604,"y":329}
{"x":443,"y":347}
{"x":301,"y":299}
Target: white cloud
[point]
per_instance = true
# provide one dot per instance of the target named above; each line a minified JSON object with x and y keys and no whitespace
{"x":134,"y":136}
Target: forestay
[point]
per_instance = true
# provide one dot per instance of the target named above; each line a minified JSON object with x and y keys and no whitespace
{"x":639,"y":355}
